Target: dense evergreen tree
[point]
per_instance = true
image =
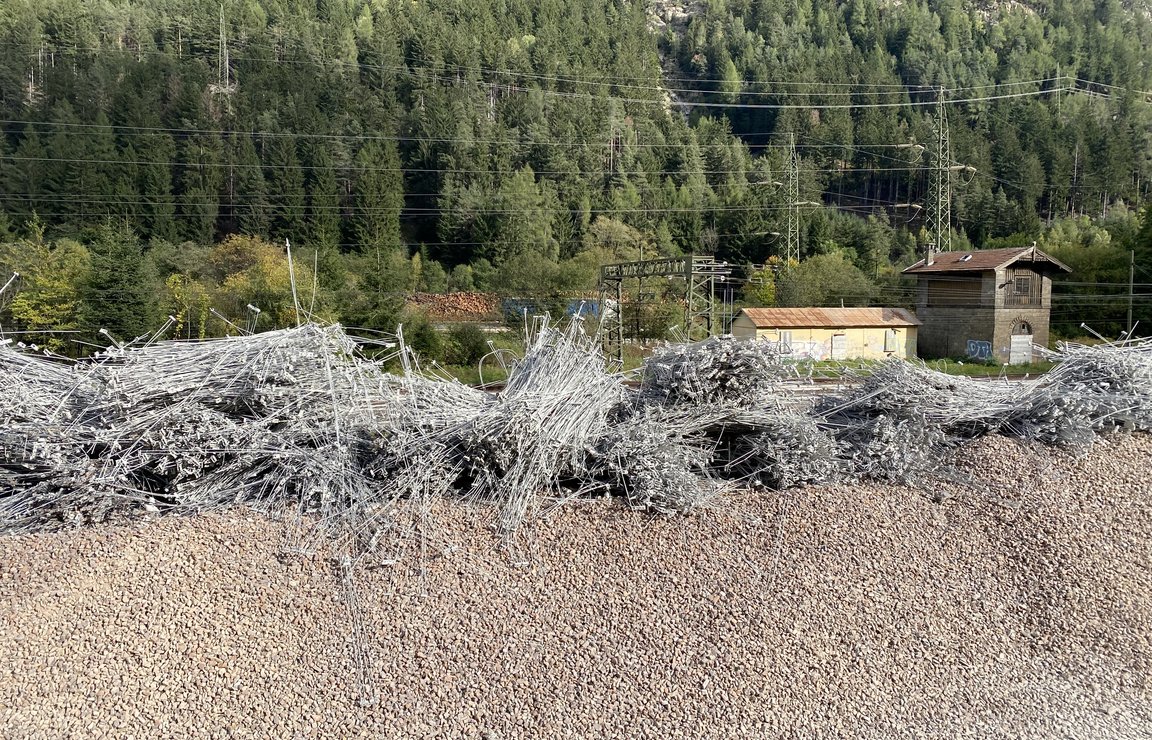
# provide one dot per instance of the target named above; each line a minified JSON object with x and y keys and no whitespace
{"x":323,"y":199}
{"x":116,"y":294}
{"x":286,"y":187}
{"x":250,"y":208}
{"x":24,"y":177}
{"x":507,"y":136}
{"x":379,"y":196}
{"x":198,"y":186}
{"x":156,"y":152}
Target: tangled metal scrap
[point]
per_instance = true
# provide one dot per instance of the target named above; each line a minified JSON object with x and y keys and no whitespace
{"x":299,"y":422}
{"x":902,"y":417}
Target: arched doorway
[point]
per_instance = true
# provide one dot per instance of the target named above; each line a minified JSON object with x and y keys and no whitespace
{"x":1020,"y":349}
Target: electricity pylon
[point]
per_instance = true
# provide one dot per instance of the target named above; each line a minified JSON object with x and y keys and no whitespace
{"x":792,"y":243}
{"x":940,"y":183}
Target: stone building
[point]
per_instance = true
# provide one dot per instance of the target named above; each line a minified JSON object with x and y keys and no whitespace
{"x":986,"y":304}
{"x":832,"y":333}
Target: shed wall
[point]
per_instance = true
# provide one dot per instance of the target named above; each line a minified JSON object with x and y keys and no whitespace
{"x":743,"y":327}
{"x":861,"y":343}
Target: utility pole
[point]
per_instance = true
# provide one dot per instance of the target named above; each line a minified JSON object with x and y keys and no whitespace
{"x":1131,"y":287}
{"x":940,"y":184}
{"x":792,"y":244}
{"x":223,"y":84}
{"x":225,"y":72}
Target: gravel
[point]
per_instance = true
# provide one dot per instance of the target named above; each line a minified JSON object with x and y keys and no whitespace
{"x":1022,"y":608}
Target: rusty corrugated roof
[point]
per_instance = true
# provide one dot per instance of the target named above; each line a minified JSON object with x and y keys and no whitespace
{"x":980,"y":260}
{"x":829,"y":318}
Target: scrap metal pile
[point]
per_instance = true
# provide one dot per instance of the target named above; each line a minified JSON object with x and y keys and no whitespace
{"x":903,"y":417}
{"x":186,"y":427}
{"x":298,"y":422}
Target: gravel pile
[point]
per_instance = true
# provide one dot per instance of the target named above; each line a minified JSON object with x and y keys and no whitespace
{"x":1021,"y":608}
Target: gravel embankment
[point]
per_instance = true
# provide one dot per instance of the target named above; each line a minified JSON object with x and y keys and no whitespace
{"x":1023,"y":611}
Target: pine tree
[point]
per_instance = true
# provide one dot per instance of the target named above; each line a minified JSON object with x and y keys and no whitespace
{"x":250,"y":191}
{"x":64,"y":169}
{"x":730,"y":82}
{"x":100,"y":171}
{"x":323,"y":200}
{"x":23,"y":177}
{"x":125,"y":203}
{"x":285,"y":187}
{"x":155,"y":152}
{"x":198,"y":187}
{"x":379,"y":196}
{"x":116,"y":295}
{"x":1143,"y":242}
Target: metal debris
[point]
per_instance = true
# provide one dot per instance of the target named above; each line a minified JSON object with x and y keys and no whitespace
{"x":776,"y":448}
{"x":299,"y":423}
{"x":903,"y":417}
{"x":658,"y":459}
{"x":715,"y":370}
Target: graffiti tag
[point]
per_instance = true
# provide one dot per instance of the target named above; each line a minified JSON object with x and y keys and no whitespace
{"x":807,"y":350}
{"x":979,"y":349}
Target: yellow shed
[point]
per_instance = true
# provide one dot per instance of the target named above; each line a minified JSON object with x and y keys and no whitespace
{"x":832,"y":333}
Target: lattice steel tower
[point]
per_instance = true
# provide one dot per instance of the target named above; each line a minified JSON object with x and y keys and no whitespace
{"x":940,"y":183}
{"x":792,"y":243}
{"x":224,"y":83}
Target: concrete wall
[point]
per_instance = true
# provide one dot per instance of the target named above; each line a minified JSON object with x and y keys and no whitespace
{"x":861,"y":343}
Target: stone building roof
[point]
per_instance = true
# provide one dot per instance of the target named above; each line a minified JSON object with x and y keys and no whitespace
{"x":981,"y":260}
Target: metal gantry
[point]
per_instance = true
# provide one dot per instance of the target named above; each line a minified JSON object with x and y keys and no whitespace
{"x":223,"y":84}
{"x":704,"y":313}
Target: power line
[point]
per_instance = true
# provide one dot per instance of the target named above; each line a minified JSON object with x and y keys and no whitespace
{"x":123,"y":130}
{"x":805,"y":106}
{"x":459,"y":73}
{"x":356,"y":168}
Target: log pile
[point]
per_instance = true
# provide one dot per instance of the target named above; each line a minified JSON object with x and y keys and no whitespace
{"x":463,"y":306}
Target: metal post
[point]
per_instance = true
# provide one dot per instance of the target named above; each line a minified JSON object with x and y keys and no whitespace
{"x":712,"y":305}
{"x":292,"y":280}
{"x":1131,"y":288}
{"x":689,"y":308}
{"x":11,"y":280}
{"x":619,"y":338}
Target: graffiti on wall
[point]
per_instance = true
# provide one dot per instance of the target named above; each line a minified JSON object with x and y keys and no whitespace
{"x":978,"y":349}
{"x":810,"y":350}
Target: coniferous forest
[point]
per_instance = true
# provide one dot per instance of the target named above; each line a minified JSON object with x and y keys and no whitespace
{"x":155,"y":154}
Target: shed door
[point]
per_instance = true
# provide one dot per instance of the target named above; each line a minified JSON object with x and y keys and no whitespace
{"x":1020,"y":349}
{"x":839,"y":347}
{"x":890,"y":343}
